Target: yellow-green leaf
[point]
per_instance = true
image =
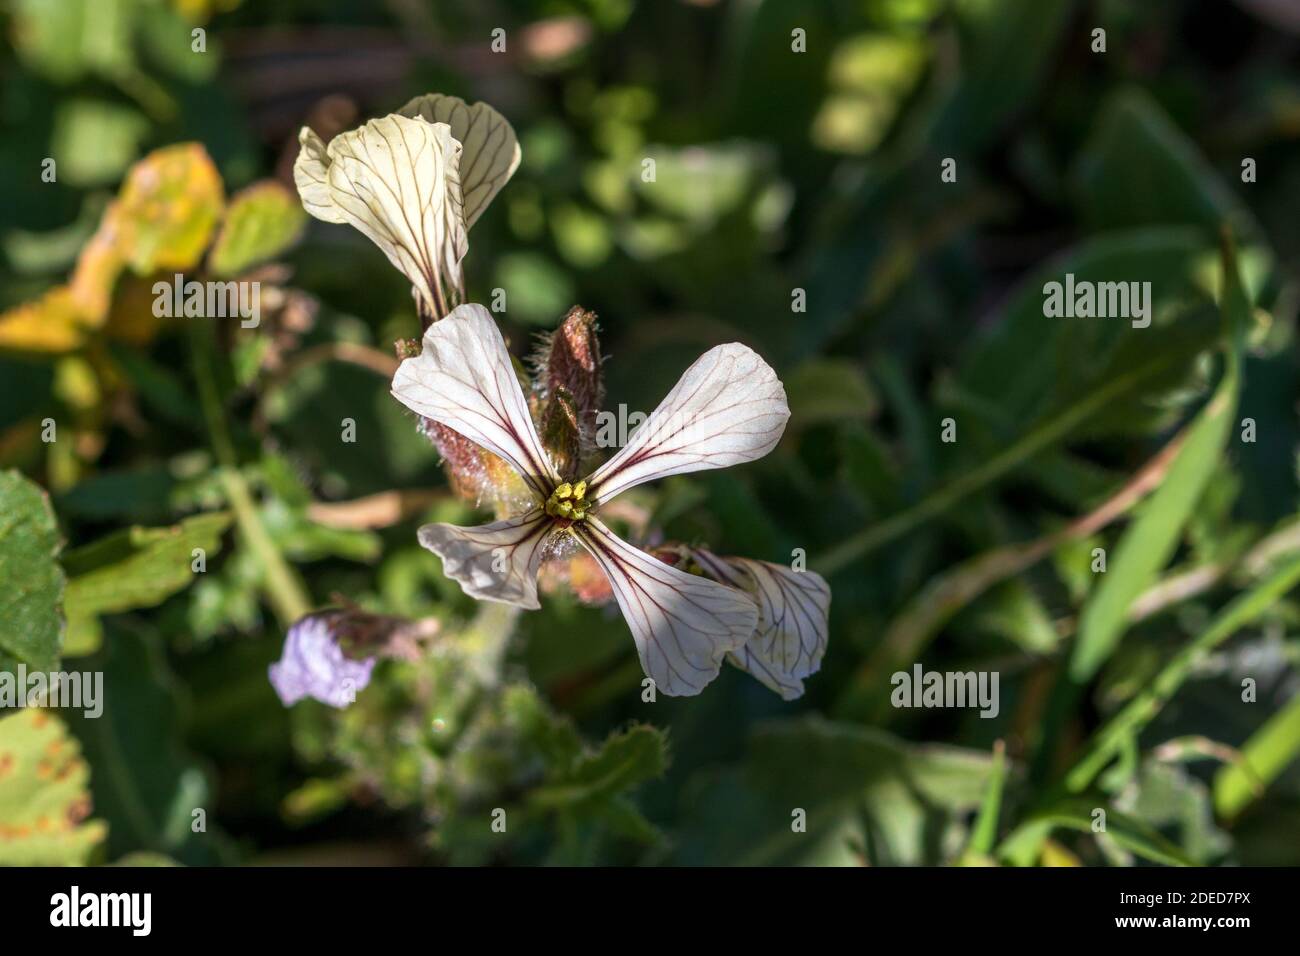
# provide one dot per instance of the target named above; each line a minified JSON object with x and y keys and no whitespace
{"x":262,"y":221}
{"x":43,"y":794}
{"x":168,"y":208}
{"x":132,"y":568}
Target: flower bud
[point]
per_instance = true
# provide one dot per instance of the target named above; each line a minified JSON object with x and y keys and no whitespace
{"x":560,"y":433}
{"x":569,"y":359}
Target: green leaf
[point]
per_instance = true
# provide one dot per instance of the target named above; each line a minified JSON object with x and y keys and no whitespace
{"x":1015,"y":612}
{"x":1139,"y":169}
{"x":624,"y":761}
{"x":1023,"y":846}
{"x":1269,"y":751}
{"x":1029,"y":362}
{"x":1124,"y":727}
{"x":65,"y":40}
{"x":43,"y":794}
{"x":166,"y":39}
{"x":866,"y":797}
{"x":828,"y":390}
{"x":701,"y":184}
{"x":985,"y":831}
{"x":1167,"y":797}
{"x":1036,"y":439}
{"x":132,"y":568}
{"x":146,"y":786}
{"x":1151,"y":540}
{"x":31,"y":581}
{"x":538,"y":291}
{"x":95,"y":140}
{"x":1007,"y":48}
{"x":261,"y":222}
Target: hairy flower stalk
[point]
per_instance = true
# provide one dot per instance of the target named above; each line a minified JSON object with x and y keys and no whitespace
{"x":728,"y":408}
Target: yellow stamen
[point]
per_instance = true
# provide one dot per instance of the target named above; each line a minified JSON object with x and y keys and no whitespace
{"x":568,"y":502}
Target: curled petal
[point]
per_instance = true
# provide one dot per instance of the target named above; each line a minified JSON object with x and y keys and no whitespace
{"x":728,"y":408}
{"x":766,"y":672}
{"x":397,"y":180}
{"x":493,"y":562}
{"x":790,"y":639}
{"x":463,"y":379}
{"x":684,"y":625}
{"x":311,"y":175}
{"x":491,"y":151}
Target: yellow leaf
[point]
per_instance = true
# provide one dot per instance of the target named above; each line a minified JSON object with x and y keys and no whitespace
{"x":168,"y":208}
{"x":50,"y":325}
{"x":98,"y":267}
{"x":1056,"y":855}
{"x":131,"y":318}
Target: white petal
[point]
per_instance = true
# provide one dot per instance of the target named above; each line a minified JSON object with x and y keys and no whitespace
{"x":767,"y":673}
{"x":491,"y":151}
{"x":464,"y":379}
{"x":395,"y":179}
{"x":311,"y":174}
{"x":493,"y":562}
{"x":728,"y":408}
{"x":684,"y":625}
{"x":790,"y":639}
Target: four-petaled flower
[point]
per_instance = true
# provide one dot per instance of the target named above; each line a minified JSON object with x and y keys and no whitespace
{"x":728,"y":408}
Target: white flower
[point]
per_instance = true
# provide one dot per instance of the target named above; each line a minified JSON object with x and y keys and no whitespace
{"x":728,"y":408}
{"x":413,"y":182}
{"x":790,"y":638}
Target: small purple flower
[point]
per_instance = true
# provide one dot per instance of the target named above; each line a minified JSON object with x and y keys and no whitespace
{"x":313,"y":665}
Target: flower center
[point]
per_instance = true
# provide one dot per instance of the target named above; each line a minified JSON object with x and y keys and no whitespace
{"x":568,"y":502}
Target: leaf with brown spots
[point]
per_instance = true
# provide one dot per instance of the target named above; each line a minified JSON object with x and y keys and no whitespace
{"x":44,"y":795}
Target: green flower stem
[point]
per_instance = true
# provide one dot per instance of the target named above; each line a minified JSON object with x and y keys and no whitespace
{"x":283,"y":588}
